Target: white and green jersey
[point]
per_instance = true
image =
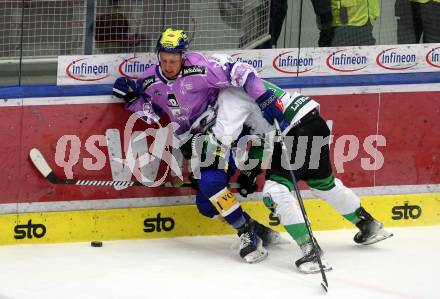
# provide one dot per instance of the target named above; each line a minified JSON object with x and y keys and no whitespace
{"x":294,"y":106}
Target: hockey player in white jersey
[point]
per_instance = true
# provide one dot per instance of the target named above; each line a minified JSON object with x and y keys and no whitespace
{"x":300,"y":117}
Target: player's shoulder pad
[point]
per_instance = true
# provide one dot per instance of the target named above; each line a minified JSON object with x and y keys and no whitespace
{"x":240,"y":72}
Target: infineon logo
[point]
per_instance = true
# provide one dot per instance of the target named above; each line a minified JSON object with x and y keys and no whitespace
{"x":433,"y":57}
{"x":343,"y":61}
{"x":290,"y":64}
{"x":391,"y":59}
{"x":82,"y":71}
{"x":255,"y":63}
{"x":133,"y":67}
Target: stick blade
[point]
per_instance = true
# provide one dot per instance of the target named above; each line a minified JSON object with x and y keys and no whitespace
{"x":324,"y":286}
{"x":120,"y":187}
{"x":39,"y":162}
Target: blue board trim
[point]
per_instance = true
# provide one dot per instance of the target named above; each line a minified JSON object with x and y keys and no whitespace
{"x":43,"y":91}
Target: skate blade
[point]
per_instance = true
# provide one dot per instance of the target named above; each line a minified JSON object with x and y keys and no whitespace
{"x":313,"y":267}
{"x":256,"y":256}
{"x":380,"y":236}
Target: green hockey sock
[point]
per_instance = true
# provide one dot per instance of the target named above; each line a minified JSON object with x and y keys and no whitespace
{"x":298,"y":232}
{"x":353,"y":217}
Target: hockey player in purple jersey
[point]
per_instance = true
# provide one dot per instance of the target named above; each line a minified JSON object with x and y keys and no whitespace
{"x":185,"y":86}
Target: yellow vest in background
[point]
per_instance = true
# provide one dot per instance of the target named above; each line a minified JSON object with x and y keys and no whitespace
{"x":424,"y":1}
{"x":358,"y":12}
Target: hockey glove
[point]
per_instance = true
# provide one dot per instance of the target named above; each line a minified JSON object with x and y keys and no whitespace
{"x":248,"y":181}
{"x":126,"y":89}
{"x":272,"y":108}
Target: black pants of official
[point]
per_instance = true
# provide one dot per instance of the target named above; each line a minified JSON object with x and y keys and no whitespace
{"x":417,"y":22}
{"x":278,"y":12}
{"x":345,"y":36}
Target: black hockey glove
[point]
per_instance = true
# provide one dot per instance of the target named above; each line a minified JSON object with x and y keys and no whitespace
{"x":248,"y":181}
{"x":126,"y":89}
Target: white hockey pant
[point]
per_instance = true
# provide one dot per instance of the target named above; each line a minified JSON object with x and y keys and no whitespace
{"x":343,"y":199}
{"x":285,"y":203}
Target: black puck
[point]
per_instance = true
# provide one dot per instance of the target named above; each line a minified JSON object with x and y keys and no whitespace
{"x":96,"y":244}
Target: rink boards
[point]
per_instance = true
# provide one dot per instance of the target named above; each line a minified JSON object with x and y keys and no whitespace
{"x":184,"y":220}
{"x":385,"y":145}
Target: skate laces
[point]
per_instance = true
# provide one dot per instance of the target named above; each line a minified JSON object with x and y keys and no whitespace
{"x":307,"y":248}
{"x":245,"y":240}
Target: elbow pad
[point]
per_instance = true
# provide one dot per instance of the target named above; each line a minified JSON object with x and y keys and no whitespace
{"x":240,"y":72}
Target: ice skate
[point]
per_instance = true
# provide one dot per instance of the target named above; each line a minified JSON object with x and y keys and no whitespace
{"x":309,"y":262}
{"x":371,"y":230}
{"x":251,"y":246}
{"x":268,"y":235}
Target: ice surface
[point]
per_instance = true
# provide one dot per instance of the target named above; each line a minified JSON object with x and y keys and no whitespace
{"x":405,"y":266}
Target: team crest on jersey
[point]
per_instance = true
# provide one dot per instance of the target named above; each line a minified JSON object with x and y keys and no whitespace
{"x":148,"y":81}
{"x":172,"y":101}
{"x":173,"y":104}
{"x":193,"y":70}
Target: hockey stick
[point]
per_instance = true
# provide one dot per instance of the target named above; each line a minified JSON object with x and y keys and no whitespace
{"x":324,"y":282}
{"x":43,"y":167}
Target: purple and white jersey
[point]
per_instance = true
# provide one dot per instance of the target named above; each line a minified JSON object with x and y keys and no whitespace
{"x":190,"y":100}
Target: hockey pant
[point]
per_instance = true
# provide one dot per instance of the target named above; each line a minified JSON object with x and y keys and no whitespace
{"x":315,"y":170}
{"x":215,"y":200}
